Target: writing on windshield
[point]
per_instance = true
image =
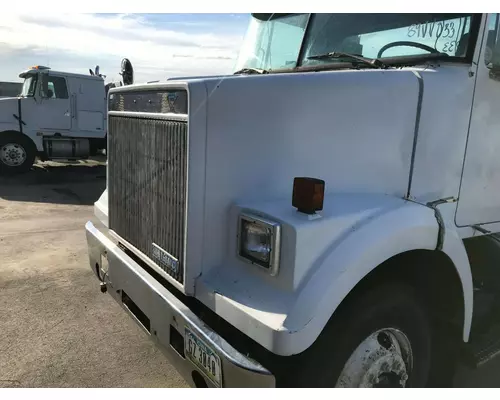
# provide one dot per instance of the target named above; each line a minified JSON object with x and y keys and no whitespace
{"x":445,"y":34}
{"x":389,"y":35}
{"x":276,"y":43}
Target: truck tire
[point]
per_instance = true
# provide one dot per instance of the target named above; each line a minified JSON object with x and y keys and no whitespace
{"x":380,"y":339}
{"x":17,"y":153}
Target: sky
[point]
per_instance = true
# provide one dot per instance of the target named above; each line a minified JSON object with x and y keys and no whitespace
{"x":158,"y":45}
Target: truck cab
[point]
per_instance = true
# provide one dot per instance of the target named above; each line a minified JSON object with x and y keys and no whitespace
{"x":326,"y":216}
{"x":58,"y":115}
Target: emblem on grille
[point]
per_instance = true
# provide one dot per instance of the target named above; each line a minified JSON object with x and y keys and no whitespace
{"x":164,"y":260}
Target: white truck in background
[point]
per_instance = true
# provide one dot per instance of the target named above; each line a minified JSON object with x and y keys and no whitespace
{"x":58,"y":115}
{"x":328,"y":216}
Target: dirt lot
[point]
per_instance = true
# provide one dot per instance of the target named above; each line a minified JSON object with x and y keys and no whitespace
{"x":56,"y":328}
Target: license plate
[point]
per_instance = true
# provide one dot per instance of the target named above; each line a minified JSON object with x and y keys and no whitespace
{"x":200,"y":354}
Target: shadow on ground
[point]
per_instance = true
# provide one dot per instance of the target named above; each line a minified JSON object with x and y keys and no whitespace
{"x":78,"y":183}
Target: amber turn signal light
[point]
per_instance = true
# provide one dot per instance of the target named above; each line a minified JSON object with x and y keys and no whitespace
{"x":308,"y":194}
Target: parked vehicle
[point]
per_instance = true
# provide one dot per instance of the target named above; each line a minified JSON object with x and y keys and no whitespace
{"x":326,"y":216}
{"x":10,"y":89}
{"x":58,"y":115}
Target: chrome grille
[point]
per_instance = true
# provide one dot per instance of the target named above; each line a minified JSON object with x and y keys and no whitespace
{"x":147,"y":184}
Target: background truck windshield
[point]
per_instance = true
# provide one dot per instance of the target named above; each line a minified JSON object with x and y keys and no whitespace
{"x":29,"y":86}
{"x":282,"y":41}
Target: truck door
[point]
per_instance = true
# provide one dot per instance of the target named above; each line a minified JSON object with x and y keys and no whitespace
{"x":479,"y":198}
{"x":54,"y":109}
{"x":90,"y":107}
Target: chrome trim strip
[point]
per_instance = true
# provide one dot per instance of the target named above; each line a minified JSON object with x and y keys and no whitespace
{"x":167,"y":116}
{"x":150,"y":87}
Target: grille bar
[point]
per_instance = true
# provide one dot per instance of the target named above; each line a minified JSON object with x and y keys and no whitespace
{"x":147,"y":167}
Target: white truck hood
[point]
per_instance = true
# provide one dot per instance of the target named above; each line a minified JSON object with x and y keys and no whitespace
{"x":353,"y":129}
{"x":362,"y":132}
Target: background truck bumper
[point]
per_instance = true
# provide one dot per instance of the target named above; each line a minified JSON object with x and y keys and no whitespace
{"x":165,"y":318}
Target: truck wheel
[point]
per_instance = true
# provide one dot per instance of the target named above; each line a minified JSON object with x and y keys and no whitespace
{"x":17,"y":153}
{"x":381,"y":339}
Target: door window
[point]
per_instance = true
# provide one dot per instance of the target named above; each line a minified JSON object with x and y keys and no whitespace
{"x":54,"y":87}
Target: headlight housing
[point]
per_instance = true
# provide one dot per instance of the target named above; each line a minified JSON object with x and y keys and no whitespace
{"x":259,"y":242}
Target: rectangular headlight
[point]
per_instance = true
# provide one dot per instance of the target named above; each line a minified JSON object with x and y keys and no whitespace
{"x":259,"y":242}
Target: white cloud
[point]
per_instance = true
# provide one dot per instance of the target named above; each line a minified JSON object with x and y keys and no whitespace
{"x":156,"y":52}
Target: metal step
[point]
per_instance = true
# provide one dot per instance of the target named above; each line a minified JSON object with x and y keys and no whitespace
{"x":482,"y":347}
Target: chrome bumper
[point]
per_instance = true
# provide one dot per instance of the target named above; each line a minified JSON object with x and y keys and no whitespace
{"x":158,"y":312}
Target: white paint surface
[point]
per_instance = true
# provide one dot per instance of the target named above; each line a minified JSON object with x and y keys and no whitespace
{"x":249,"y":136}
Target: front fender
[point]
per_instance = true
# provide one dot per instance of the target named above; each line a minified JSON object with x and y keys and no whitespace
{"x":11,"y":128}
{"x":358,"y":232}
{"x":401,"y":228}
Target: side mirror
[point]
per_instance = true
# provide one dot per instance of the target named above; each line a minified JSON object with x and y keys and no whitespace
{"x":127,"y":72}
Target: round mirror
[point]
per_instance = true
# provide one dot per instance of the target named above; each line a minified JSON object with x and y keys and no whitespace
{"x":127,"y":72}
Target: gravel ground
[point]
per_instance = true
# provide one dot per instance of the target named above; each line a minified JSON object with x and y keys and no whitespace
{"x":56,"y":328}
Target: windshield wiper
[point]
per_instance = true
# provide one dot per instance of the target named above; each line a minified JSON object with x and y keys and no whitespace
{"x":250,"y":71}
{"x":371,"y":62}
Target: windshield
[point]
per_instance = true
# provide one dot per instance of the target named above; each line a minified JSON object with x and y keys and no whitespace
{"x":273,"y":44}
{"x":29,"y":86}
{"x":282,"y":41}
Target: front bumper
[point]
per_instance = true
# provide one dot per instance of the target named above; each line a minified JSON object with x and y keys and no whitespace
{"x":164,"y":317}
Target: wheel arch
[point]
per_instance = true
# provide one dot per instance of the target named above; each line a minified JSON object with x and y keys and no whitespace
{"x":438,"y":270}
{"x":31,"y":140}
{"x":399,"y":245}
{"x":433,"y":276}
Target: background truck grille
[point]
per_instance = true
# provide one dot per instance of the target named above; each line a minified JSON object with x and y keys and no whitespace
{"x":147,"y":183}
